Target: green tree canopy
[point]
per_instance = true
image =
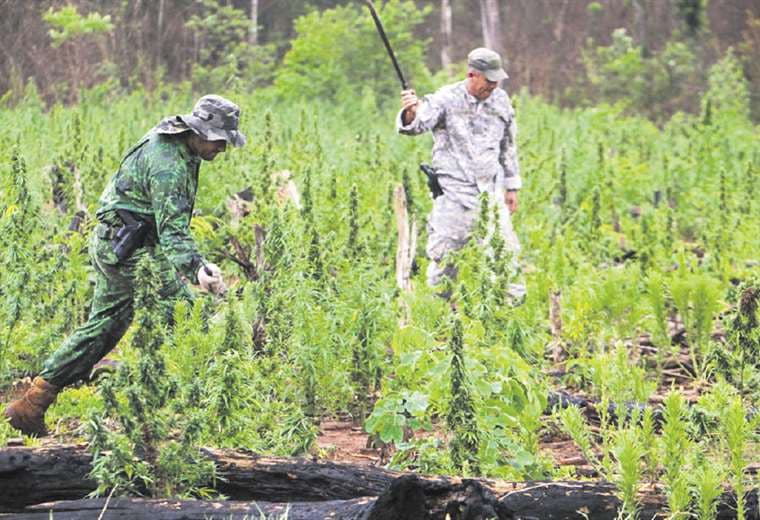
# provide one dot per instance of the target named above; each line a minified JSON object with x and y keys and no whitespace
{"x":338,"y":51}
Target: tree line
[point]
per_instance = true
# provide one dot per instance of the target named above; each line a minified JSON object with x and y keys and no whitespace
{"x":551,"y":46}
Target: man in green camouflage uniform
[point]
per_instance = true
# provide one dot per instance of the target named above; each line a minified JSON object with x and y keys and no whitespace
{"x":156,"y":186}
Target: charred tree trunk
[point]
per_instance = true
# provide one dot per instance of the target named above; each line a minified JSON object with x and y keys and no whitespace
{"x":281,"y":479}
{"x":38,"y":475}
{"x":139,"y":508}
{"x":30,"y":476}
{"x":407,"y":498}
{"x":315,"y":490}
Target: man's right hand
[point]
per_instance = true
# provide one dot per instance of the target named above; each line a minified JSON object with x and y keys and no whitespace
{"x":210,"y":279}
{"x":409,"y":104}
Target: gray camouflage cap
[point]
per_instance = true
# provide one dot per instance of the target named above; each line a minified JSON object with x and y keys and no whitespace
{"x":488,"y":62}
{"x":215,"y":118}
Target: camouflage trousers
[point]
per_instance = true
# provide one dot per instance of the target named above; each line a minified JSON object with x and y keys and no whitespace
{"x":450,"y":226}
{"x":111,"y":312}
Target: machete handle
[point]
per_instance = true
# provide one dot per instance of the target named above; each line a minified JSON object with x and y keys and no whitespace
{"x":384,"y":37}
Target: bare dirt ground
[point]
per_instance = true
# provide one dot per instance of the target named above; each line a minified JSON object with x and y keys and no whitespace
{"x":344,"y":441}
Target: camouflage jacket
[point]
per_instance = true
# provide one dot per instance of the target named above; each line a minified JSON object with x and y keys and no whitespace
{"x":158,"y":179}
{"x":474,"y":142}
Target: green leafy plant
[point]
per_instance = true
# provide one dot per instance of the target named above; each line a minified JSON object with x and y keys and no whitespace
{"x":144,"y":457}
{"x":6,"y":433}
{"x":629,"y":452}
{"x":736,"y":430}
{"x":622,"y":457}
{"x":461,"y":418}
{"x":17,"y":222}
{"x":656,"y":293}
{"x":394,"y":415}
{"x":340,"y":41}
{"x":225,"y":58}
{"x":706,"y":480}
{"x":697,"y":298}
{"x":68,"y":23}
{"x":676,"y":445}
{"x":574,"y":423}
{"x":740,"y":362}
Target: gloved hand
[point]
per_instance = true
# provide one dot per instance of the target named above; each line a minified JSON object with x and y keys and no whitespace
{"x":210,"y":279}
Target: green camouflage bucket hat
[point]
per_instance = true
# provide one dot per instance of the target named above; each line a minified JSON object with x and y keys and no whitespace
{"x":488,"y":62}
{"x":215,"y":118}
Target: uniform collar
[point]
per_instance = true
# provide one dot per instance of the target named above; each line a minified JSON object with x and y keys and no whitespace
{"x":472,"y":99}
{"x":187,"y":153}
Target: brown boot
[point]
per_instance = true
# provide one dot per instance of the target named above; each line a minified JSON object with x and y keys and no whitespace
{"x":27,"y":414}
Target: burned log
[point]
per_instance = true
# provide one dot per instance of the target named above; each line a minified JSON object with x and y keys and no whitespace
{"x":411,"y":498}
{"x":248,"y":476}
{"x":408,"y":498}
{"x":138,"y":508}
{"x":36,"y":475}
{"x":33,"y":475}
{"x":320,"y":489}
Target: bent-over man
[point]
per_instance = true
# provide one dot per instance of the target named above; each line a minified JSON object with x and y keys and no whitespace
{"x":474,"y":151}
{"x":145,"y":209}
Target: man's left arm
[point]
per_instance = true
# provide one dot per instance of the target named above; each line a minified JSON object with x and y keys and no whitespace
{"x":508,"y":160}
{"x":173,"y":210}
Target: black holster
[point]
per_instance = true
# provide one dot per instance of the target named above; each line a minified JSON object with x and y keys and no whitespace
{"x":432,"y":180}
{"x":130,"y":236}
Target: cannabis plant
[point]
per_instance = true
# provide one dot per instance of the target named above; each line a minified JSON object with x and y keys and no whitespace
{"x":629,"y":453}
{"x":736,"y":431}
{"x":17,"y":220}
{"x":155,"y":451}
{"x":676,"y":445}
{"x":744,"y":333}
{"x":706,"y":479}
{"x":697,"y":298}
{"x":461,"y":418}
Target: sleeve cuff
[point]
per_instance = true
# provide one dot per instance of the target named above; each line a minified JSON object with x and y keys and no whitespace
{"x":195,"y":264}
{"x":400,"y":127}
{"x":512,"y":183}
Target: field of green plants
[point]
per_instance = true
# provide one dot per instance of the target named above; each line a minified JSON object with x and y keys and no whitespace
{"x":640,"y":252}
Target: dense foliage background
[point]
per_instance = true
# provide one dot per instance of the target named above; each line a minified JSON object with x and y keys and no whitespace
{"x":640,"y":252}
{"x":651,"y":54}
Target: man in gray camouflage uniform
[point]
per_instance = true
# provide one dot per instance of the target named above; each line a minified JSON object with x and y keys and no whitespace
{"x":474,"y":151}
{"x":154,"y":188}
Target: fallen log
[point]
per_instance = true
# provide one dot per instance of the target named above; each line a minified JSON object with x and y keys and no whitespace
{"x":248,"y":476}
{"x":34,"y":475}
{"x":54,"y":473}
{"x":408,"y":498}
{"x":139,"y":508}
